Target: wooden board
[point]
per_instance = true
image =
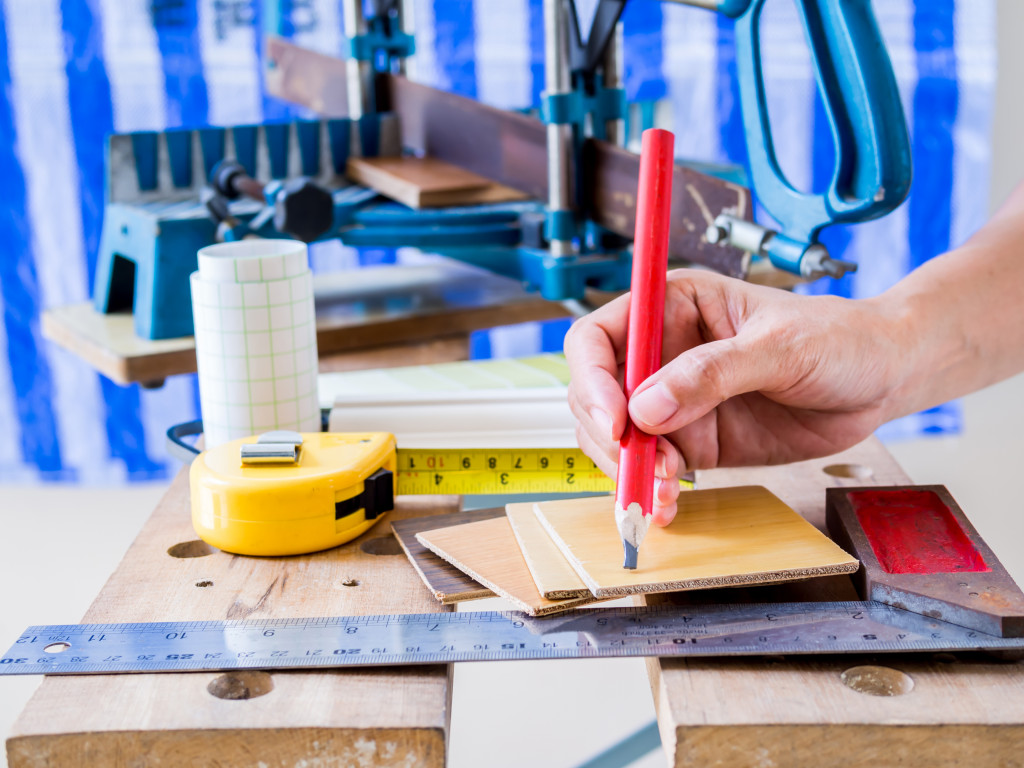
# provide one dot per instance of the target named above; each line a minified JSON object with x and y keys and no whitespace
{"x":488,"y":551}
{"x":798,"y":713}
{"x":354,"y":327}
{"x":719,"y":538}
{"x":446,"y":582}
{"x":551,"y":572}
{"x":373,"y":717}
{"x":426,"y":182}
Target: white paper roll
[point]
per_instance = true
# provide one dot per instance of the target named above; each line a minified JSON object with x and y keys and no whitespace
{"x":255,"y":327}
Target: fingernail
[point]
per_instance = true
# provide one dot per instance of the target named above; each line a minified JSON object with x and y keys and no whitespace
{"x":653,"y":406}
{"x":602,"y":420}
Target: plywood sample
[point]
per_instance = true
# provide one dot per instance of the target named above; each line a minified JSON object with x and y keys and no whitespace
{"x":721,"y":537}
{"x":426,"y":182}
{"x":447,"y":583}
{"x":386,"y":717}
{"x":551,"y":572}
{"x":488,"y":551}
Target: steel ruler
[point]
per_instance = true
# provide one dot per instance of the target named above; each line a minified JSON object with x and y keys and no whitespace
{"x":438,"y":638}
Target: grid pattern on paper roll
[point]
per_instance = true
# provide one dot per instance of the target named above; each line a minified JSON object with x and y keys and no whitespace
{"x":256,"y":347}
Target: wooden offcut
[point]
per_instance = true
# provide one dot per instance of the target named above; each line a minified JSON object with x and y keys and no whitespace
{"x":720,"y":538}
{"x":488,"y":551}
{"x":426,"y":182}
{"x":389,"y":717}
{"x":446,"y":582}
{"x":433,"y":326}
{"x":554,"y":577}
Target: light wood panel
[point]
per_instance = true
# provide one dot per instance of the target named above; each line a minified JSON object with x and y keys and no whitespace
{"x":446,"y":583}
{"x":722,"y":537}
{"x":373,"y":717}
{"x":488,"y":551}
{"x":551,"y":572}
{"x":750,"y":713}
{"x":426,"y":182}
{"x":453,"y":301}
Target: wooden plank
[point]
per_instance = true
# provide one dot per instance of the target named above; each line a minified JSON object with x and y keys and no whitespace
{"x":426,"y":182}
{"x":446,"y":582}
{"x":108,"y":343}
{"x":450,"y":349}
{"x":488,"y":551}
{"x":798,"y":713}
{"x":551,"y":572}
{"x":352,"y":326}
{"x":378,"y":717}
{"x":720,"y":538}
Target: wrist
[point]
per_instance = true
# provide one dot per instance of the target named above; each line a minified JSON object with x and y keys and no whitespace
{"x":924,"y":347}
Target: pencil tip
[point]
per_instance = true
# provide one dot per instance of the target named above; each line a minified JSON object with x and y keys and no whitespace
{"x":630,"y":555}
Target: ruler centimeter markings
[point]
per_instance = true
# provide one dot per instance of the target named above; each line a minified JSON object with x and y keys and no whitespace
{"x":433,"y":638}
{"x":484,"y":471}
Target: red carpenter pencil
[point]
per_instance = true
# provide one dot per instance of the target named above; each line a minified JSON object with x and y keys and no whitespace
{"x":634,"y":491}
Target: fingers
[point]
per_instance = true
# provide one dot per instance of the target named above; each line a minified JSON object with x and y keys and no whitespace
{"x":700,"y":379}
{"x":666,"y":494}
{"x":607,"y":460}
{"x":592,"y":349}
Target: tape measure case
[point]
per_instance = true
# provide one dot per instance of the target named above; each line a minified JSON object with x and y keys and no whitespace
{"x":339,"y":486}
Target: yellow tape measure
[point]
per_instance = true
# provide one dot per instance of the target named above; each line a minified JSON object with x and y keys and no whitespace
{"x":481,"y":471}
{"x":283,"y":493}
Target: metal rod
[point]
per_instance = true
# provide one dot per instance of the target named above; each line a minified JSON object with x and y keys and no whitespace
{"x":359,"y":74}
{"x":559,"y":136}
{"x":615,"y":130}
{"x":407,"y":23}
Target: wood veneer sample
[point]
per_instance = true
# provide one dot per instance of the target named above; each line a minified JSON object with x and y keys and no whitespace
{"x":447,"y":583}
{"x":488,"y":551}
{"x":425,"y":182}
{"x":719,"y":538}
{"x":551,"y":572}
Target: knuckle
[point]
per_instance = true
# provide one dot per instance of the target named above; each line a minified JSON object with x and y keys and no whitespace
{"x":711,"y":374}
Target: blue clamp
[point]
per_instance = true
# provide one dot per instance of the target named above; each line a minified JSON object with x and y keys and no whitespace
{"x":602,"y":104}
{"x":373,"y":45}
{"x":872,"y":148}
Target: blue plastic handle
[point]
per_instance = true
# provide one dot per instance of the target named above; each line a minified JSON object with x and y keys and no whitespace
{"x":872,"y":149}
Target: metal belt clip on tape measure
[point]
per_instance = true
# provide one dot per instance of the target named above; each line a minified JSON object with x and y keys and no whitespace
{"x":286,"y":493}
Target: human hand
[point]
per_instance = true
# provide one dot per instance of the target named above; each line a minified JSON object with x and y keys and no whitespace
{"x":750,"y":375}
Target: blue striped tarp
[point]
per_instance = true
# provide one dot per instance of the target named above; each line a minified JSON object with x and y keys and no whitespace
{"x":73,"y":70}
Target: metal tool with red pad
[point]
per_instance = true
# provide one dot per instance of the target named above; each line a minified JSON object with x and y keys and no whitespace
{"x":920,"y":553}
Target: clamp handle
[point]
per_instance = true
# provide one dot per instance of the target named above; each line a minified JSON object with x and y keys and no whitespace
{"x":872,"y":149}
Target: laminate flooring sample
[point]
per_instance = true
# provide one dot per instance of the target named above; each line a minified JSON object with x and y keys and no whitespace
{"x":488,"y":551}
{"x":425,"y":182}
{"x":551,"y":572}
{"x":719,"y":538}
{"x":448,"y":584}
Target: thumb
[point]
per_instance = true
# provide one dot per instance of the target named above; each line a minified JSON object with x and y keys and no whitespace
{"x":698,"y":380}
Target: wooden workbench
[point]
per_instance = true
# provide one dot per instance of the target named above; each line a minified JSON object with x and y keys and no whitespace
{"x":788,"y":713}
{"x":365,"y":319}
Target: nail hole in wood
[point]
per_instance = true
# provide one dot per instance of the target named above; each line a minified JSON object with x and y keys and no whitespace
{"x":350,"y":583}
{"x":56,"y":647}
{"x":849,"y":471}
{"x":194,"y":548}
{"x":877,"y":681}
{"x":382,"y":545}
{"x":204,"y":583}
{"x":238,"y":686}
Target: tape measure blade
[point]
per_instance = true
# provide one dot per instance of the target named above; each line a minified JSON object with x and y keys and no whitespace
{"x":498,"y":471}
